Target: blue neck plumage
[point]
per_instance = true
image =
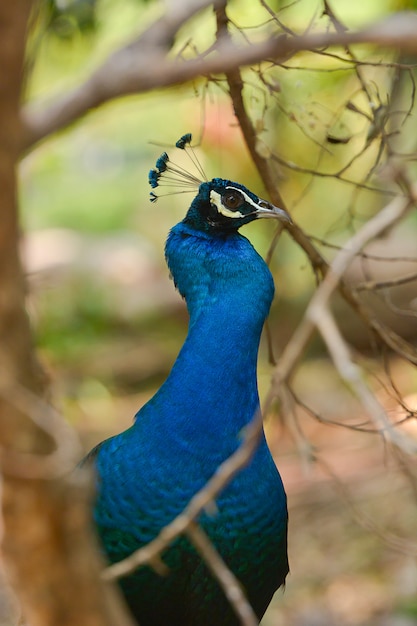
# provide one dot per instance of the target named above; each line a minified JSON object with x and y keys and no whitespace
{"x":228,"y":289}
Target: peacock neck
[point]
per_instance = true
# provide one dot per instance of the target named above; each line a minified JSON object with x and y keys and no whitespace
{"x":228,"y":290}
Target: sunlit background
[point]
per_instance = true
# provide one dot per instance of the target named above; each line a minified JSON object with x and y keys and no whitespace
{"x":109,"y":323}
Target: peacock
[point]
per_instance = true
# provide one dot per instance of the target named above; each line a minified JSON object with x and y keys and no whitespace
{"x":147,"y":474}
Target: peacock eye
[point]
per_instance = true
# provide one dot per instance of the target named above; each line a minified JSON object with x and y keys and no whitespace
{"x":232,"y":200}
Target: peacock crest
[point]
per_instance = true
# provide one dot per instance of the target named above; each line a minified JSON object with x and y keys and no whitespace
{"x":169,"y":174}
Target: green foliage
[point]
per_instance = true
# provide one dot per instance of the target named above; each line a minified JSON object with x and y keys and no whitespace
{"x":65,"y":19}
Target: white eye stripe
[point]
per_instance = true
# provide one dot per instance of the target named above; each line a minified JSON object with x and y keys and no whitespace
{"x":245,"y":195}
{"x":216,"y":199}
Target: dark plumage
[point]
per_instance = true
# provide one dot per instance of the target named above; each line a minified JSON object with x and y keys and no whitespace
{"x":148,"y":474}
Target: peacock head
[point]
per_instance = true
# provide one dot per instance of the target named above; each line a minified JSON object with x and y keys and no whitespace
{"x":220,"y":206}
{"x":223,"y":205}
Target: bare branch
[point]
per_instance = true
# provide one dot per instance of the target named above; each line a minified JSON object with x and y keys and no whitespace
{"x":353,"y":376}
{"x":318,"y":263}
{"x":375,"y":285}
{"x":396,"y":543}
{"x":202,"y":500}
{"x":143,"y":64}
{"x":60,"y":461}
{"x":387,"y":216}
{"x":138,"y":66}
{"x":228,"y":581}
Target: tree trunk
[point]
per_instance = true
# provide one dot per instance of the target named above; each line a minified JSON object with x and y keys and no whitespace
{"x":48,"y":542}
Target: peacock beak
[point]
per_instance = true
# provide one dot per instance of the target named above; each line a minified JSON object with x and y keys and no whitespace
{"x":266,"y":209}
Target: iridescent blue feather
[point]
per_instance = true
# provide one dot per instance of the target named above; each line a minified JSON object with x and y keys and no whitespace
{"x":148,"y":473}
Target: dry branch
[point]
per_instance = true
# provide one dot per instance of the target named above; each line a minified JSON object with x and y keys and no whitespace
{"x":352,"y":374}
{"x":376,"y":285}
{"x":141,"y":66}
{"x":202,"y":500}
{"x":228,"y":581}
{"x":318,"y":316}
{"x":144,"y":65}
{"x":387,"y":216}
{"x":61,"y":460}
{"x":264,"y":167}
{"x":396,"y":543}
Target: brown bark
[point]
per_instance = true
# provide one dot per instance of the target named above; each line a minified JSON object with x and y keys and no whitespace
{"x":48,"y":544}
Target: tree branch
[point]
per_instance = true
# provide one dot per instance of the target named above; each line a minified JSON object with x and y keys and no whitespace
{"x":318,"y":316}
{"x":227,"y":580}
{"x":375,"y":285}
{"x":202,"y":500}
{"x":263,"y":164}
{"x":66,"y":451}
{"x":143,"y":65}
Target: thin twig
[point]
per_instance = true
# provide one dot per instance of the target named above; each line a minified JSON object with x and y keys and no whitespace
{"x":121,"y":74}
{"x":202,"y":500}
{"x":387,"y":216}
{"x":227,"y":580}
{"x":318,"y":263}
{"x":67,"y":450}
{"x":391,"y":540}
{"x":374,"y":285}
{"x":353,"y":376}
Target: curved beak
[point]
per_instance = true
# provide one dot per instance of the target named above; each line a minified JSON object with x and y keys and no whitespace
{"x":266,"y":209}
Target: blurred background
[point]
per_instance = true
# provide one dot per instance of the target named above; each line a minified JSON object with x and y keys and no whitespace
{"x":109,"y":323}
